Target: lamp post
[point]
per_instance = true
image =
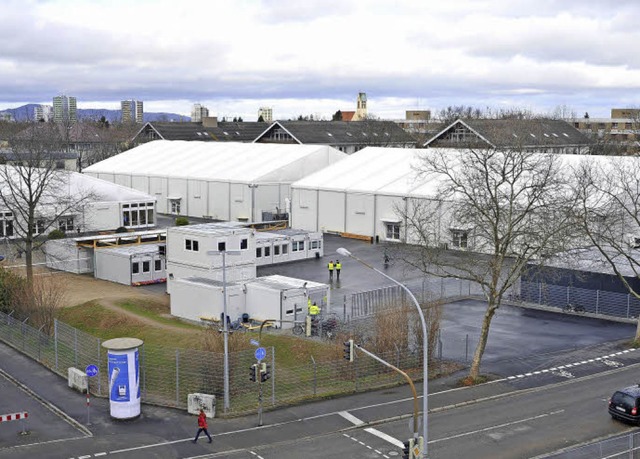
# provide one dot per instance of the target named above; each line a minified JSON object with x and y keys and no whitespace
{"x":425,"y":345}
{"x":225,"y":326}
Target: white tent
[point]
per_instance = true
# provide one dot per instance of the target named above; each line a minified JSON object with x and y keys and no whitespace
{"x":365,"y":194}
{"x":358,"y":195}
{"x":218,"y":180}
{"x":102,"y":205}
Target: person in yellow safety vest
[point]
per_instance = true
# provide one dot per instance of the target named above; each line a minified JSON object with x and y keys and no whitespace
{"x":330,"y":266}
{"x":338,"y":268}
{"x":314,"y":310}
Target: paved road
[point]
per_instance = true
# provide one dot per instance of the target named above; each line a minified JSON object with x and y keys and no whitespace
{"x":501,"y":423}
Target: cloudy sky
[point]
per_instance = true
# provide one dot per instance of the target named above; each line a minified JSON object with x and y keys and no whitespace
{"x":305,"y":57}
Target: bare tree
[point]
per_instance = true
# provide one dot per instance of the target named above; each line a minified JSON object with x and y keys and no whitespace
{"x":508,"y":205}
{"x":608,"y":212}
{"x":35,"y":192}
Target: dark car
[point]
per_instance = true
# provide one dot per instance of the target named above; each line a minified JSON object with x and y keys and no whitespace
{"x":624,"y":404}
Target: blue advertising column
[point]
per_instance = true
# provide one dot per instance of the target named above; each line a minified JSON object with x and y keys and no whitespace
{"x":124,"y":377}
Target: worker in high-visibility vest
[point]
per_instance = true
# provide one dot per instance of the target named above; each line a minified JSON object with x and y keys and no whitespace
{"x":314,"y":310}
{"x":338,"y":268}
{"x":330,"y":266}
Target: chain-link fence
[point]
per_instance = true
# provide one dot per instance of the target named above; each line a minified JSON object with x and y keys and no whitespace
{"x":623,"y":447}
{"x":592,"y":301}
{"x":169,"y":375}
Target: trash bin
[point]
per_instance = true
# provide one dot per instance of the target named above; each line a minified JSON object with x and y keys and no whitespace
{"x":245,"y":318}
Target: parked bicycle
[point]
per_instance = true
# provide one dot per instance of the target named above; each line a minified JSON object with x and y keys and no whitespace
{"x":570,"y":307}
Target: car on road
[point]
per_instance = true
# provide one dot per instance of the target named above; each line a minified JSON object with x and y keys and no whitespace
{"x":624,"y":404}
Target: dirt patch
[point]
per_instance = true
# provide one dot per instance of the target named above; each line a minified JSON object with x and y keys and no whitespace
{"x":81,"y":288}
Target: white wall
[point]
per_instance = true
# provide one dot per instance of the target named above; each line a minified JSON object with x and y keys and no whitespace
{"x":193,"y":300}
{"x":263,"y":302}
{"x":304,"y":210}
{"x":112,"y":267}
{"x":218,"y":197}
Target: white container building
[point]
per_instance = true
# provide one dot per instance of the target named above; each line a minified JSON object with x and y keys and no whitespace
{"x":131,"y":265}
{"x":279,"y":298}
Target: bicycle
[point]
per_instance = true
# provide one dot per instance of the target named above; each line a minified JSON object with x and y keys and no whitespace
{"x":573,"y":308}
{"x":298,"y":328}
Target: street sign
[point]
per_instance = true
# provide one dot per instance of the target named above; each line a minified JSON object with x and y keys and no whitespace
{"x":254,"y":342}
{"x":260,"y":353}
{"x":91,"y":371}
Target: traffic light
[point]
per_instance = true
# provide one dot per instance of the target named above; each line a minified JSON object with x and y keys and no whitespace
{"x":407,"y":448}
{"x":348,"y":350}
{"x":253,"y":372}
{"x":265,"y":372}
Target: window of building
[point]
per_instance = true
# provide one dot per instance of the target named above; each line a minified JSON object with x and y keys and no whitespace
{"x":157,"y":265}
{"x":135,"y":268}
{"x":314,"y":244}
{"x":222,"y":246}
{"x":136,"y":215}
{"x":627,"y":126}
{"x":244,"y":244}
{"x":393,"y":231}
{"x":39,"y":226}
{"x":276,"y":250}
{"x":285,"y":249}
{"x":267,"y":251}
{"x":146,"y":266}
{"x":65,"y":224}
{"x":174,"y":207}
{"x":459,"y":238}
{"x":6,"y":224}
{"x":258,"y":252}
{"x":294,"y":246}
{"x":191,"y":245}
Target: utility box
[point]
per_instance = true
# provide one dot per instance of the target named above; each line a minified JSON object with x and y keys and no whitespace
{"x":206,"y":402}
{"x":78,"y":379}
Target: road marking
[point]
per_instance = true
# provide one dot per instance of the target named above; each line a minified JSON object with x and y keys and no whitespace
{"x":351,"y":418}
{"x":87,"y":456}
{"x":358,"y":422}
{"x":559,"y":370}
{"x":256,"y":454}
{"x":369,"y":447}
{"x":154,"y":445}
{"x":507,"y":424}
{"x":100,"y":454}
{"x":384,"y":436}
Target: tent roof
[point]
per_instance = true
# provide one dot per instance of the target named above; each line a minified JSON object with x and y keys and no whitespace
{"x":391,"y":171}
{"x":76,"y":184}
{"x":228,"y":161}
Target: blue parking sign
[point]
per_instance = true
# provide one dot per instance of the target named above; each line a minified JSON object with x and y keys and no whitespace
{"x":91,"y":371}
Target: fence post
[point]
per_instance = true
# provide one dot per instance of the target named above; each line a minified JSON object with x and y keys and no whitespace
{"x":597,"y":300}
{"x":40,"y":343}
{"x":344,"y":308}
{"x":55,"y":340}
{"x":628,"y":305}
{"x":177,"y":377}
{"x":315,"y":376}
{"x":398,"y":360}
{"x":144,"y":373}
{"x":99,"y":365}
{"x":273,"y":375}
{"x":75,"y":347}
{"x":539,"y":292}
{"x":466,"y":348}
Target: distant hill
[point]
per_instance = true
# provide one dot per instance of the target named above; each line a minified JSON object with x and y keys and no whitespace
{"x":26,"y":113}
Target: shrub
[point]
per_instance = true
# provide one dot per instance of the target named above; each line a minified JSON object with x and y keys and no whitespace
{"x":56,"y":234}
{"x":122,"y":229}
{"x":182,"y":221}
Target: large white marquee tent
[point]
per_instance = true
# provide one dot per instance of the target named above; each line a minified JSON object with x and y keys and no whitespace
{"x":218,"y":180}
{"x":367,"y":193}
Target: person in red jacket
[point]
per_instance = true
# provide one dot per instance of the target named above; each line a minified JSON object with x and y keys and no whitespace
{"x":202,"y":426}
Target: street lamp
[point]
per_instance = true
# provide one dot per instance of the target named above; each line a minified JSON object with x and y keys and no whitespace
{"x":225,"y":326}
{"x":425,"y":346}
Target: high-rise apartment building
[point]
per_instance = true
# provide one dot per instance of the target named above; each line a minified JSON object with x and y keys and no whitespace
{"x":43,"y":113}
{"x":198,"y":112}
{"x":65,"y":108}
{"x":132,"y":111}
{"x":266,"y":113}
